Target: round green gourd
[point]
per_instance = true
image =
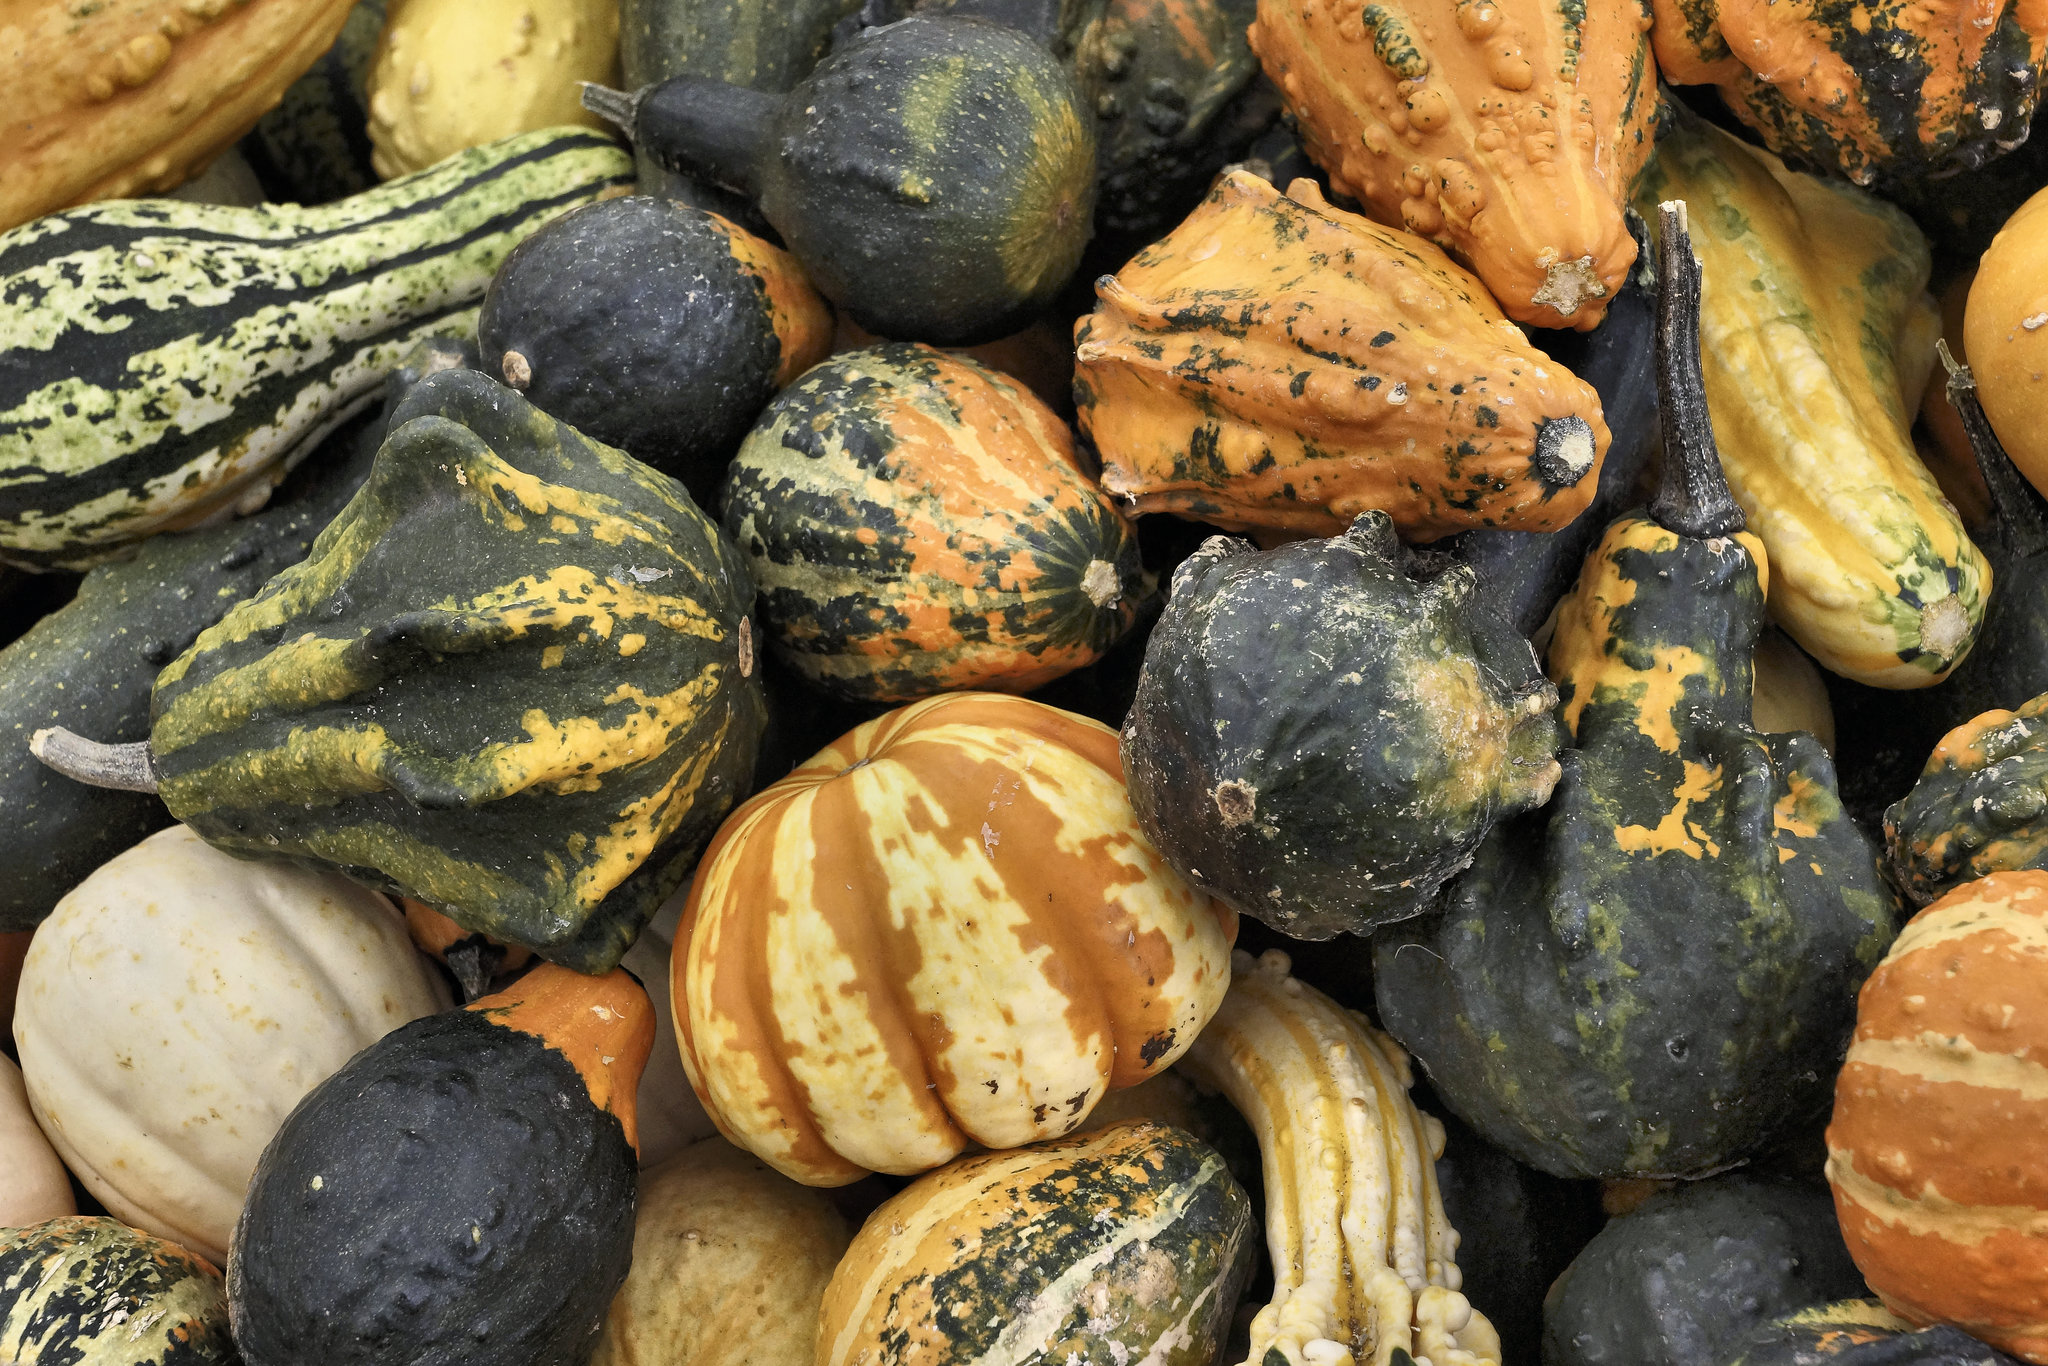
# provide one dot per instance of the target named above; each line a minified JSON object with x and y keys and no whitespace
{"x":92,"y":1291}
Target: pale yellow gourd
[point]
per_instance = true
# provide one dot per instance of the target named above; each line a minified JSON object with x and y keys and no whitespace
{"x":1787,"y":692}
{"x":453,"y":74}
{"x":33,"y":1186}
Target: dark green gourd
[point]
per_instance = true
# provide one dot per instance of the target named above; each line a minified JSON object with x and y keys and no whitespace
{"x":1656,"y":974}
{"x":315,"y":145}
{"x":1860,"y":1333}
{"x":1340,"y":792}
{"x":936,"y":177}
{"x":1980,"y":806}
{"x":92,"y":1291}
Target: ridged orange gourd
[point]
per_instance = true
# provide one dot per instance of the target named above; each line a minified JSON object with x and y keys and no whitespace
{"x":1935,"y":1149}
{"x":129,"y":97}
{"x":1277,"y":362}
{"x":944,"y":928}
{"x":1508,"y":132}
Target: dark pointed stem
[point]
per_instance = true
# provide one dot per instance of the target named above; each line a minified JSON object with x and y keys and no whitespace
{"x":126,"y":767}
{"x":1694,"y":499}
{"x":707,"y":129}
{"x":615,"y":107}
{"x":474,"y":961}
{"x":2021,"y":512}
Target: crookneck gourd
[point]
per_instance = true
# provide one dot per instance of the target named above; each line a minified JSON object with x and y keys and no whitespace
{"x":91,"y":1289}
{"x":1980,"y":806}
{"x":1509,"y":132}
{"x":1364,"y":1262}
{"x":1654,"y":974}
{"x":514,"y":679}
{"x":1277,"y":362}
{"x":1324,"y":732}
{"x":1809,"y":286}
{"x":918,"y":523}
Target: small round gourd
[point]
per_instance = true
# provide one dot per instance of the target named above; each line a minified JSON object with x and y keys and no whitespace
{"x":1980,"y":806}
{"x":92,"y":1291}
{"x":33,"y":1186}
{"x":178,"y":1003}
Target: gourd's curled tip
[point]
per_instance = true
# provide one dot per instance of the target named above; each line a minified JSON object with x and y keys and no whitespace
{"x":126,"y":767}
{"x":1565,"y":450}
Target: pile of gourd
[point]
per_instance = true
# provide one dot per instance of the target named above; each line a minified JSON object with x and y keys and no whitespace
{"x":656,"y":645}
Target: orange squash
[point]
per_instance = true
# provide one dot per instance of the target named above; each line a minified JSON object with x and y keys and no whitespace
{"x":943,"y":928}
{"x":2005,"y":333}
{"x":1277,"y":362}
{"x":1508,"y":132}
{"x":130,"y":97}
{"x":1934,"y":1152}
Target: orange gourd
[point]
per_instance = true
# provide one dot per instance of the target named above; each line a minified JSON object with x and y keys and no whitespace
{"x":2005,"y":333}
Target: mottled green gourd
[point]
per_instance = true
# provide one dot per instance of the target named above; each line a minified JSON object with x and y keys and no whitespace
{"x":1341,"y":793}
{"x":92,"y":1291}
{"x":1656,"y":974}
{"x":1980,"y":806}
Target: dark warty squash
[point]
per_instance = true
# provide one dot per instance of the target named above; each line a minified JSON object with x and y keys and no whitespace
{"x":1979,"y":807}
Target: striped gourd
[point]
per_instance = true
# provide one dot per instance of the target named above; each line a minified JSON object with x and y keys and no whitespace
{"x":1935,"y":1149}
{"x":1979,"y":807}
{"x":1808,"y":284}
{"x":1128,"y":1244}
{"x":157,"y":357}
{"x":92,"y":1290}
{"x":1363,"y":1256}
{"x":943,"y":928}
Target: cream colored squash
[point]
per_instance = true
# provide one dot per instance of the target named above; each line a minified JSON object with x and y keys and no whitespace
{"x":671,"y":1116}
{"x":730,"y":1261}
{"x":1787,"y":691}
{"x":452,"y":74}
{"x":178,"y":1003}
{"x":33,"y":1186}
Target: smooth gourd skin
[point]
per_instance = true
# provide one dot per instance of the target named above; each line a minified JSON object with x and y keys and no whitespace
{"x":1684,"y":1277}
{"x":1980,"y":806}
{"x":919,"y":523}
{"x":1339,"y":794}
{"x":33,"y":1183}
{"x":654,"y":327}
{"x":1860,"y":1333}
{"x":344,"y":716}
{"x":983,"y":1261}
{"x":94,"y":1292}
{"x":2008,"y":349}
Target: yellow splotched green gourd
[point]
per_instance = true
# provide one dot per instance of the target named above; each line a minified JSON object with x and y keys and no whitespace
{"x":1810,"y":287}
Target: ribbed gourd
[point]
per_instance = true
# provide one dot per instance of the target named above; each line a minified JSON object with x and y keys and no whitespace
{"x":1809,"y":286}
{"x":344,"y":716}
{"x":1364,"y":1261}
{"x":1653,"y":975}
{"x":89,"y":1289}
{"x":1979,"y":807}
{"x":1324,"y":732}
{"x":919,"y":523}
{"x":1508,"y":132}
{"x":1277,"y":362}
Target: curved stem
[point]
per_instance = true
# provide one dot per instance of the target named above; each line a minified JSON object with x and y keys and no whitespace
{"x":126,"y":767}
{"x":1694,"y":499}
{"x":2022,"y":513}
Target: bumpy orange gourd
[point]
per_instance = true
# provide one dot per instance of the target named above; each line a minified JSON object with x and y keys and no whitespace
{"x":129,"y":97}
{"x":1277,"y":362}
{"x":943,"y":928}
{"x":1935,"y":1148}
{"x":1509,"y":132}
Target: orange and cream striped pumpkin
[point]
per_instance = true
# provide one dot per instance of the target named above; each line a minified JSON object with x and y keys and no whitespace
{"x":1935,"y":1152}
{"x":945,"y":928}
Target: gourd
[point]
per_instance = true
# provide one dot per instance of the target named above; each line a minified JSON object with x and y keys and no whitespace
{"x":1324,"y":732}
{"x":343,"y":716}
{"x":2002,"y":334}
{"x":1684,"y":1277}
{"x":1888,"y":92}
{"x":462,"y":1190}
{"x":315,"y":145}
{"x":1509,"y":133}
{"x":1861,"y":1333}
{"x":1276,"y":362}
{"x":450,"y":74}
{"x":119,"y":100}
{"x":13,"y":949}
{"x":280,"y":975}
{"x":474,"y":960}
{"x":730,"y":1263}
{"x":1363,"y":1258}
{"x":988,"y":839}
{"x":164,"y":357}
{"x":1980,"y":806}
{"x":654,"y":327}
{"x":919,"y":523}
{"x":1130,"y":1242}
{"x":1787,"y":692}
{"x":1931,"y":1147}
{"x":1653,"y":975}
{"x":936,"y":177}
{"x":669,"y":1114}
{"x":1806,"y":280}
{"x":33,"y":1186}
{"x":94,"y":1290}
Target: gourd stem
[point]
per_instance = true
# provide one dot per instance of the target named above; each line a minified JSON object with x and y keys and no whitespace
{"x":2021,"y":512}
{"x":1694,"y":498}
{"x":707,"y":129}
{"x":127,"y":767}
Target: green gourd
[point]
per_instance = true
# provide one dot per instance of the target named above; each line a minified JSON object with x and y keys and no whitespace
{"x":1980,"y":806}
{"x":91,"y":1290}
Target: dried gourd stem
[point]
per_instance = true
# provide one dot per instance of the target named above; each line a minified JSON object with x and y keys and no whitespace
{"x":2022,"y":513}
{"x":126,"y":767}
{"x":1694,"y":499}
{"x":615,"y":107}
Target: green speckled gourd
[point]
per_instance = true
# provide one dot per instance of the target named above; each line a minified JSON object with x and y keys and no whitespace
{"x":1657,"y":974}
{"x":1323,"y":733}
{"x":91,"y":1291}
{"x":1861,"y":1333}
{"x":1980,"y":806}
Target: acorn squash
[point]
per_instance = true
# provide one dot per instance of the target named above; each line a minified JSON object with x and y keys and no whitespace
{"x":1861,"y":1333}
{"x":918,"y":523}
{"x":1324,"y":732}
{"x":1980,"y":806}
{"x":33,"y":1183}
{"x":1653,"y":975}
{"x":988,"y":839}
{"x":1276,"y":362}
{"x":96,"y":1292}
